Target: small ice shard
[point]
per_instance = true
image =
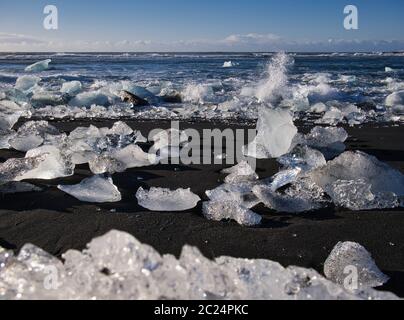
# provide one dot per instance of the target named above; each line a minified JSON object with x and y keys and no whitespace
{"x":300,"y":198}
{"x":71,"y":88}
{"x":275,"y":134}
{"x":304,"y":158}
{"x":96,"y":189}
{"x":12,"y":169}
{"x":55,"y":164}
{"x":106,"y":163}
{"x":228,"y":64}
{"x":18,"y":187}
{"x":239,"y":192}
{"x":232,"y":210}
{"x":26,"y":83}
{"x":160,"y":199}
{"x":348,"y":257}
{"x":39,"y":66}
{"x":328,"y":140}
{"x":394,"y":99}
{"x":133,"y":156}
{"x":347,"y":177}
{"x":87,"y":99}
{"x":240,"y":173}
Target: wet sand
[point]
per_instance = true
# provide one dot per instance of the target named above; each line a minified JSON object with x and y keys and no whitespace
{"x":57,"y":222}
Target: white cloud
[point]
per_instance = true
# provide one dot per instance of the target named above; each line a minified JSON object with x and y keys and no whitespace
{"x":235,"y":42}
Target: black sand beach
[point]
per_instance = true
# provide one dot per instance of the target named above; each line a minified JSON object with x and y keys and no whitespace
{"x":57,"y":222}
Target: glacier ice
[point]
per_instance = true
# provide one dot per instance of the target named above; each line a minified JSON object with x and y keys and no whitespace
{"x":161,"y":199}
{"x":105,"y":163}
{"x":228,"y":64}
{"x":96,"y":189}
{"x":39,"y":66}
{"x":5,"y":137}
{"x":240,"y":192}
{"x":302,"y":157}
{"x":118,"y":266}
{"x":276,"y":131}
{"x":348,"y":255}
{"x":133,"y":156}
{"x":353,"y":175}
{"x":230,"y":210}
{"x":26,"y":83}
{"x":13,"y":169}
{"x":87,"y":99}
{"x":10,"y":113}
{"x":71,"y":88}
{"x":396,"y":98}
{"x":55,"y":164}
{"x":240,"y":173}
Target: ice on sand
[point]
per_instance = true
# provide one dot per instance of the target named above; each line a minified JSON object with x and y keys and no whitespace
{"x":5,"y":137}
{"x":230,"y":210}
{"x":10,"y":112}
{"x":304,"y":158}
{"x":133,"y":156}
{"x":13,"y":169}
{"x":39,"y":66}
{"x":354,"y":176}
{"x":275,"y":134}
{"x":239,"y":173}
{"x":118,"y":266}
{"x":160,"y":199}
{"x":95,"y":189}
{"x":352,"y":257}
{"x":54,"y":165}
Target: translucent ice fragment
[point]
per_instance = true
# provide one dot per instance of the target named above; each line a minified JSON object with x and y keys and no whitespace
{"x":239,"y":173}
{"x":87,"y":99}
{"x":71,"y":88}
{"x":26,"y":83}
{"x":160,"y":199}
{"x":396,"y":98}
{"x":275,"y":134}
{"x":95,"y":189}
{"x":224,"y":209}
{"x":12,"y":169}
{"x":350,"y":258}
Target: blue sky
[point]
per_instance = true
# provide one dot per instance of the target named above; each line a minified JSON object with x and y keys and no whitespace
{"x":196,"y":25}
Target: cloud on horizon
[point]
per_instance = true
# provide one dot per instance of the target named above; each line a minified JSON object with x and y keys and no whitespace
{"x":235,"y":42}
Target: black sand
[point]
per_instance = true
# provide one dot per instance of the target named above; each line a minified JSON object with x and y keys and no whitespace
{"x":57,"y":222}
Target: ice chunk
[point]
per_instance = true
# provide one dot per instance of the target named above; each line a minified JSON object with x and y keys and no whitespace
{"x":346,"y":177}
{"x":18,"y":187}
{"x":27,"y":83}
{"x":352,"y":257}
{"x":239,"y":192}
{"x":228,"y":64}
{"x":171,"y":137}
{"x":224,"y":209}
{"x":12,"y":169}
{"x":197,"y":93}
{"x":44,"y":98}
{"x":160,"y":199}
{"x":5,"y":136}
{"x":304,"y":158}
{"x":95,"y":189}
{"x":388,"y":69}
{"x":71,"y":88}
{"x":133,"y":156}
{"x":396,"y":98}
{"x":240,"y":173}
{"x":87,"y":99}
{"x":118,"y":266}
{"x":55,"y":164}
{"x":106,"y":163}
{"x":39,"y":66}
{"x":10,"y":112}
{"x":275,"y":134}
{"x":302,"y":196}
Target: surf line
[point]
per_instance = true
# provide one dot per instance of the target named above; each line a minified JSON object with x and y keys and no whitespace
{"x":174,"y":311}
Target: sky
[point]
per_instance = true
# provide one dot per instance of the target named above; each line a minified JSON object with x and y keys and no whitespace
{"x":201,"y":25}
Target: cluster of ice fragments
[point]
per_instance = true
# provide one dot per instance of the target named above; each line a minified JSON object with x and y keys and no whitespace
{"x":306,"y":181}
{"x":117,"y":266}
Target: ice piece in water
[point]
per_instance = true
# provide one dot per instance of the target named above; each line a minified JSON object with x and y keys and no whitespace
{"x":133,"y":156}
{"x":18,"y":187}
{"x":44,"y":98}
{"x":304,"y":158}
{"x":71,"y":88}
{"x":26,"y":83}
{"x":355,"y":258}
{"x":39,"y":66}
{"x":347,"y":177}
{"x":87,"y":99}
{"x":240,"y":173}
{"x":10,"y":112}
{"x":118,"y":266}
{"x":160,"y":199}
{"x":106,"y":163}
{"x":275,"y":134}
{"x":95,"y":189}
{"x":394,"y":99}
{"x":228,"y":64}
{"x":225,"y":209}
{"x":5,"y":137}
{"x":55,"y":164}
{"x":12,"y":169}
